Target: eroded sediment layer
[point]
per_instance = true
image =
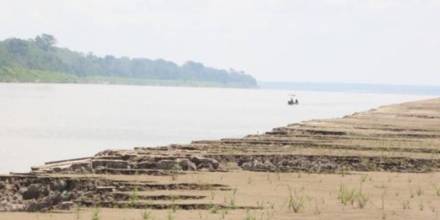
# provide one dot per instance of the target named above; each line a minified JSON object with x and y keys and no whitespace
{"x":395,"y":138}
{"x":402,"y":138}
{"x":42,"y":193}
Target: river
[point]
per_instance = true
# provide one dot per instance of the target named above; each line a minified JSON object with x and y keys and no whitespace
{"x":43,"y":122}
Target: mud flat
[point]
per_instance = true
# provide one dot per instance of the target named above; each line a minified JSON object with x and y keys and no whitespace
{"x":380,"y":164}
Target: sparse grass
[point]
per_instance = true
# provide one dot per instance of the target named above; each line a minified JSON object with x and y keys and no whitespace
{"x":406,"y":205}
{"x":232,"y":200}
{"x":223,"y":213}
{"x":134,"y":197}
{"x":411,"y":193}
{"x":317,"y":210}
{"x":214,"y":209}
{"x":249,"y":180}
{"x":77,"y":212}
{"x":419,"y":191}
{"x":343,"y":171}
{"x":95,"y":214}
{"x":212,"y":195}
{"x":382,"y":200}
{"x":268,"y":177}
{"x":296,"y":202}
{"x":364,"y":178}
{"x":345,"y":195}
{"x":170,"y":215}
{"x":249,"y":216}
{"x":437,"y":190}
{"x":173,"y":176}
{"x":361,"y":199}
{"x":351,"y":196}
{"x":306,"y":198}
{"x":146,"y":215}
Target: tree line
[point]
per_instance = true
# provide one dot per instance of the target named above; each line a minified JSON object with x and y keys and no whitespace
{"x":42,"y":54}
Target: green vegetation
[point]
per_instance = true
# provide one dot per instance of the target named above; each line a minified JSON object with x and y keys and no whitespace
{"x":296,"y":202}
{"x":134,"y":197}
{"x":95,"y":215}
{"x":146,"y":215}
{"x":351,"y":196}
{"x":39,"y":60}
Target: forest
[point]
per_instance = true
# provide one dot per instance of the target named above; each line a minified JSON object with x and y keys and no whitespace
{"x":40,"y":60}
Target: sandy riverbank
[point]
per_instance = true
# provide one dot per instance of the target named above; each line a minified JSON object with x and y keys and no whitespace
{"x":379,"y":164}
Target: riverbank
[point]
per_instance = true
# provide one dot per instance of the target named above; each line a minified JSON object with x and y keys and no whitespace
{"x":20,"y":75}
{"x":379,"y":164}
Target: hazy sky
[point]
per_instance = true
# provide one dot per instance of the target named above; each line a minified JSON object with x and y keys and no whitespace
{"x":370,"y":41}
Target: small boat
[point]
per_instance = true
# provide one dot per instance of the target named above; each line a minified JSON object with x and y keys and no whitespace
{"x":293,"y":100}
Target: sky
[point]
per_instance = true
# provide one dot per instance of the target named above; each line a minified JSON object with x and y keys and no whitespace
{"x":363,"y":41}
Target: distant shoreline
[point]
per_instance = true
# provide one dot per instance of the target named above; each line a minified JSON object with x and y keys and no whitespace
{"x":353,"y":87}
{"x":40,"y":60}
{"x":288,"y":86}
{"x":135,"y":82}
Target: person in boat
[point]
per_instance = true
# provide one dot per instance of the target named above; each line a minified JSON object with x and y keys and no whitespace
{"x":293,"y":102}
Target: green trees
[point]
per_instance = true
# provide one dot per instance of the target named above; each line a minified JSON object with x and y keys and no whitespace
{"x":45,"y":41}
{"x":41,"y":54}
{"x":16,"y":47}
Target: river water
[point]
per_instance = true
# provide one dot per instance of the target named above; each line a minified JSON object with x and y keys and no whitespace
{"x":43,"y":122}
